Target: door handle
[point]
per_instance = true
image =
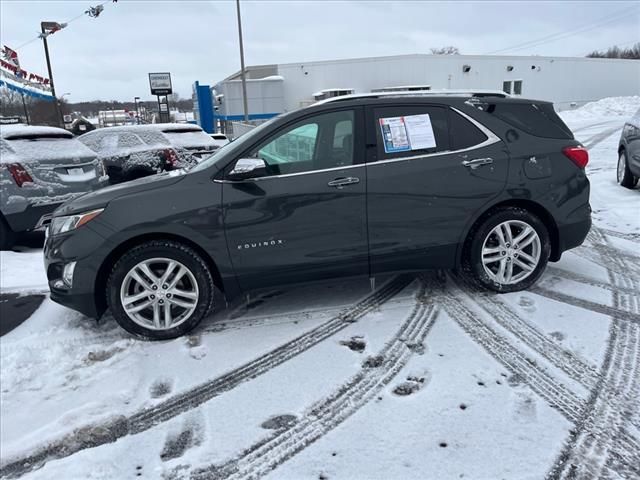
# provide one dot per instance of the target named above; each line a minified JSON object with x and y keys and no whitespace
{"x":342,"y":181}
{"x":477,"y":162}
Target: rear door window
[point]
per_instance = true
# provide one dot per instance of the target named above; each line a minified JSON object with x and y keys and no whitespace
{"x":410,"y":130}
{"x":538,"y":119}
{"x":463,"y":133}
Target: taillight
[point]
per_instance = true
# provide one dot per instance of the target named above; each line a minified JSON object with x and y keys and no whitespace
{"x":578,"y":155}
{"x":170,"y":157}
{"x":19,"y":174}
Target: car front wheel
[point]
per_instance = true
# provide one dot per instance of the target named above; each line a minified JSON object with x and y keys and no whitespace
{"x":508,"y":251}
{"x":160,"y":290}
{"x":624,"y":175}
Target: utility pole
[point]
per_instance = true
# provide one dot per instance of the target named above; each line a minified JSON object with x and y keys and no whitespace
{"x":242,"y":75}
{"x":24,"y":106}
{"x":45,"y":28}
{"x":135,"y":100}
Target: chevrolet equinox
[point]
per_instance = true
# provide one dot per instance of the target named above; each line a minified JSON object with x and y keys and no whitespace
{"x":359,"y":185}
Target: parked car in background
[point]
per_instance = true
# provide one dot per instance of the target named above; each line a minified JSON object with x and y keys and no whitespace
{"x":40,"y":168}
{"x":190,"y":138}
{"x":220,"y":139}
{"x":628,"y":171}
{"x":359,"y":185}
{"x":134,"y":151}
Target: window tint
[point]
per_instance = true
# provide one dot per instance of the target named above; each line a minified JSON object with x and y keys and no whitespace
{"x":464,"y":134}
{"x":323,"y":141}
{"x":390,"y":120}
{"x":537,"y":119}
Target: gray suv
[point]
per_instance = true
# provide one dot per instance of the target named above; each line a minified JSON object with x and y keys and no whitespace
{"x":40,"y":168}
{"x":356,"y":186}
{"x":628,"y":170}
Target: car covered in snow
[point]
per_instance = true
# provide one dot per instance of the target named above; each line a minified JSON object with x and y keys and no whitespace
{"x":364,"y":185}
{"x":628,"y":171}
{"x":40,"y":168}
{"x":220,"y":139}
{"x":135,"y":151}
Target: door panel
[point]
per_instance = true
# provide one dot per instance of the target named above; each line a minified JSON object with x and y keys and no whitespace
{"x":419,"y":202}
{"x":292,"y":225}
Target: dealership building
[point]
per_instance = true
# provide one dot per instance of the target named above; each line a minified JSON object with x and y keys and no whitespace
{"x":272,"y":89}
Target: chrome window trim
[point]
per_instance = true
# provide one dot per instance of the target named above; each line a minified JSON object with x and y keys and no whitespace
{"x":491,"y":139}
{"x":293,"y":174}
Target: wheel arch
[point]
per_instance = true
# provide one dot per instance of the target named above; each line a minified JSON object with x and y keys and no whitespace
{"x":110,"y":260}
{"x":529,"y":205}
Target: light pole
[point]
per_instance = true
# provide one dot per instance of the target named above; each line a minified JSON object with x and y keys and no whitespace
{"x":59,"y":102}
{"x":242,"y":75}
{"x":135,"y":101}
{"x":48,"y":28}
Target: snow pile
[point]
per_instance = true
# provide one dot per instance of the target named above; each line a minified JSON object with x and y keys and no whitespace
{"x":607,"y":107}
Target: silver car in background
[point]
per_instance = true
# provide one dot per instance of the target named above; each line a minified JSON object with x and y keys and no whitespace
{"x":133,"y":151}
{"x":41,"y":168}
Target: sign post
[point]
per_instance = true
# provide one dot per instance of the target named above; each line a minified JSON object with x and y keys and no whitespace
{"x":160,"y":84}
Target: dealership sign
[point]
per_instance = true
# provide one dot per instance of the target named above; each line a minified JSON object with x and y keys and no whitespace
{"x":160,"y":83}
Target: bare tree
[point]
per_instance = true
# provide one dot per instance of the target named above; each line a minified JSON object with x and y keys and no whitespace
{"x":632,"y":53}
{"x":445,"y":51}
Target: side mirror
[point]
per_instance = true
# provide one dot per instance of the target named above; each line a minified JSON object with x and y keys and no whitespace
{"x":248,"y":168}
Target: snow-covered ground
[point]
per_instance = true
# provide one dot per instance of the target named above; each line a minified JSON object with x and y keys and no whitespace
{"x":423,"y":378}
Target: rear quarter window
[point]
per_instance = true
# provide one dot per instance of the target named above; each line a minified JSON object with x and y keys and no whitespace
{"x":463,"y":133}
{"x":538,"y":119}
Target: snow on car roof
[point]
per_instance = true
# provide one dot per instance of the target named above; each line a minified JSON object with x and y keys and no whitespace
{"x":16,"y":131}
{"x":162,"y":127}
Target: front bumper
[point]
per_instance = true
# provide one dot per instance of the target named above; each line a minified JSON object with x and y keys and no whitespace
{"x":83,"y":246}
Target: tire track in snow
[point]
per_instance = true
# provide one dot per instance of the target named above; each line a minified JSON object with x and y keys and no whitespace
{"x":594,"y":140}
{"x":326,"y":414}
{"x":632,"y":237}
{"x":518,"y":363}
{"x":585,"y":280}
{"x":602,"y":443}
{"x":561,"y":358}
{"x":109,"y":431}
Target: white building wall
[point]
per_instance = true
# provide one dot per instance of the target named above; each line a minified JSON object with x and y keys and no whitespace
{"x":558,"y":79}
{"x":265,"y":96}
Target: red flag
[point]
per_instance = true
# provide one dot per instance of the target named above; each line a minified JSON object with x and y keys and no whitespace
{"x":10,"y":56}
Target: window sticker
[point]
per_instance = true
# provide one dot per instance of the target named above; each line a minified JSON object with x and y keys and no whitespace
{"x":413,"y":132}
{"x":394,"y":135}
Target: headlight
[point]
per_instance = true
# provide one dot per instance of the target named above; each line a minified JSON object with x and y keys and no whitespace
{"x":71,"y":222}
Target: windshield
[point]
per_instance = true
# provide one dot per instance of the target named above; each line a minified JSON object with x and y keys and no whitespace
{"x":238,"y":145}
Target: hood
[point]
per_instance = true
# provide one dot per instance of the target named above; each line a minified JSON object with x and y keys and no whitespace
{"x":100,"y":198}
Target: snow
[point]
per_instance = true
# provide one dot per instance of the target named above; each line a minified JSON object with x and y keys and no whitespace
{"x":10,"y":131}
{"x":607,"y":107}
{"x":475,"y":367}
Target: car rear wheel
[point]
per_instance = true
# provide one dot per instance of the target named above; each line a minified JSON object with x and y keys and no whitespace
{"x":7,"y":236}
{"x":625,"y":177}
{"x":507,"y":251}
{"x":160,"y":290}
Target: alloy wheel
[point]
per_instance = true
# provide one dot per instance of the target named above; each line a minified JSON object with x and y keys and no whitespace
{"x":511,"y":252}
{"x":159,"y":293}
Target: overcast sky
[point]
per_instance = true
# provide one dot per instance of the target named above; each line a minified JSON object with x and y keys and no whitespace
{"x":109,"y":57}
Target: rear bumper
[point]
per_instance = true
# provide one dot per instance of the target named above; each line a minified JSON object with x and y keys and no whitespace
{"x":573,"y":235}
{"x":31,"y":218}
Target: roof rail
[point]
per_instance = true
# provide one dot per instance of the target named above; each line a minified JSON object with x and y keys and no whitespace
{"x":411,"y":93}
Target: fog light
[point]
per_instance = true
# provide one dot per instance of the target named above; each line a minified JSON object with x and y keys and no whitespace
{"x":67,"y":273}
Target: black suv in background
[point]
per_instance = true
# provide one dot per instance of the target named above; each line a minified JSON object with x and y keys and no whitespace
{"x":354,"y":186}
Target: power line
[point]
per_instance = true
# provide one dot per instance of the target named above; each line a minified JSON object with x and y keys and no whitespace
{"x":565,"y":34}
{"x":99,"y":8}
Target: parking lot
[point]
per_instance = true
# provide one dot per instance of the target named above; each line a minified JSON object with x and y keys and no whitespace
{"x":423,"y":374}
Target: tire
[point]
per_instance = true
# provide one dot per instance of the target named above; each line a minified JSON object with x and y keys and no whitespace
{"x":188,"y":301}
{"x":7,"y":236}
{"x":486,"y":272}
{"x":623,"y":174}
